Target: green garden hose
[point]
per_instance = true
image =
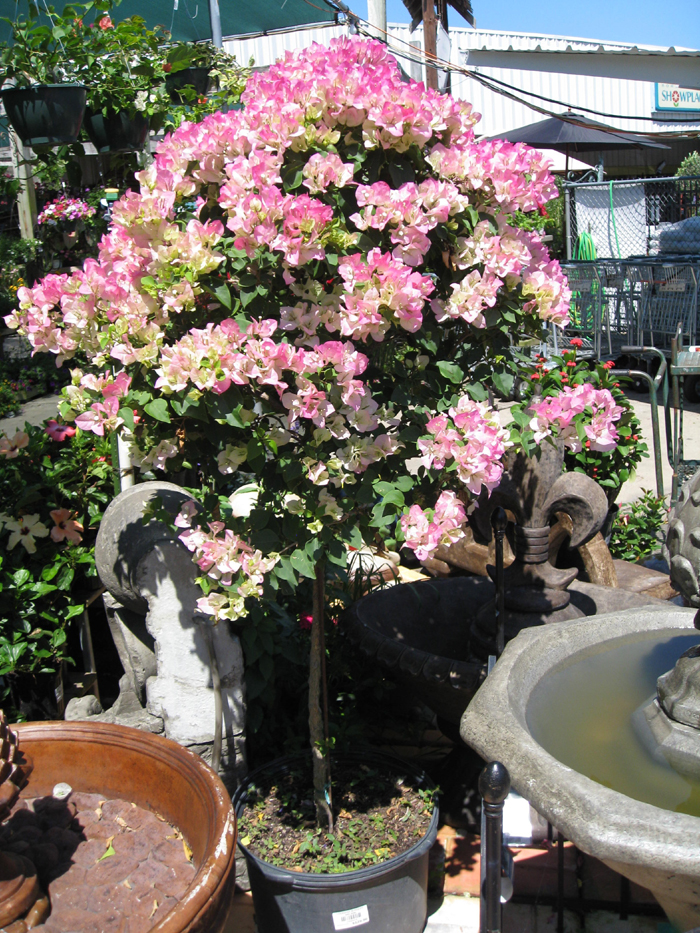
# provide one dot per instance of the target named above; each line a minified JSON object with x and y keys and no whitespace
{"x":584,"y":251}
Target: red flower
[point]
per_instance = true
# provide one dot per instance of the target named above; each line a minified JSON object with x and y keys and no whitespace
{"x":58,"y":432}
{"x":106,"y":23}
{"x":305,"y":621}
{"x":576,"y":342}
{"x":535,"y":377}
{"x":610,"y":364}
{"x":167,"y":67}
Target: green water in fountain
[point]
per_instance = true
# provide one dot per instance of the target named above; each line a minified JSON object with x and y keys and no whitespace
{"x":581,"y":714}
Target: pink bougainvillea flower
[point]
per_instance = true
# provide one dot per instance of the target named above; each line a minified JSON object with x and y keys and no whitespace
{"x":25,"y":529}
{"x":65,"y":528}
{"x":105,"y":23}
{"x":58,"y":432}
{"x":10,"y":447}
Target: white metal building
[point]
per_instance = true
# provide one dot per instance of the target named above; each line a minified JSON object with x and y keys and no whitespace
{"x":664,"y":110}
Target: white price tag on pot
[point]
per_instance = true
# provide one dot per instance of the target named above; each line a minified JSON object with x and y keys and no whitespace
{"x":347,"y":919}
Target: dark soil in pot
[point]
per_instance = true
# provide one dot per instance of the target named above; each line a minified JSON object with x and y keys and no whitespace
{"x":378,"y":814}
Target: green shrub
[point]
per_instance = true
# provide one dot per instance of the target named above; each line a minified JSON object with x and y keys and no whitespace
{"x":53,"y":494}
{"x":636,"y":527}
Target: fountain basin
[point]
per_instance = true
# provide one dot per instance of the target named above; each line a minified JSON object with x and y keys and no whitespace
{"x":651,"y":846}
{"x":155,"y":773}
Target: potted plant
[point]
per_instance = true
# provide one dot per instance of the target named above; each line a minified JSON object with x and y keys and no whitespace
{"x":120,"y":63}
{"x":42,"y":94}
{"x":188,"y":67}
{"x":202,"y":79}
{"x":582,"y":403}
{"x":313,"y":293}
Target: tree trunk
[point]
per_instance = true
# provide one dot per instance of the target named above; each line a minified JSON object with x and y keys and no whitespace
{"x":321,"y":765}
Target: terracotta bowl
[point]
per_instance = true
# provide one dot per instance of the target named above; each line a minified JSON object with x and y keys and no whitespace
{"x":155,"y":773}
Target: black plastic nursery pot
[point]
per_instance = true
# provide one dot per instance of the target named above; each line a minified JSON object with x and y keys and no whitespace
{"x":197,"y":78}
{"x":47,"y":114}
{"x":391,"y":897}
{"x":119,"y":131}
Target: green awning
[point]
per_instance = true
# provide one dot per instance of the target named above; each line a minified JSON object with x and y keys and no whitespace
{"x":189,"y":19}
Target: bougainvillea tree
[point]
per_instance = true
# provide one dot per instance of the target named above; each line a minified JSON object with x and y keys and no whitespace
{"x":314,"y":290}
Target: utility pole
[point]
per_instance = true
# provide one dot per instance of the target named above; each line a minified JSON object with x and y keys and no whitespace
{"x":442,"y":17}
{"x":376,"y":14}
{"x":430,"y":43}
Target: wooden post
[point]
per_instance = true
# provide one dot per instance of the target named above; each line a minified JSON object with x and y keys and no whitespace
{"x":26,"y":198}
{"x":430,"y":43}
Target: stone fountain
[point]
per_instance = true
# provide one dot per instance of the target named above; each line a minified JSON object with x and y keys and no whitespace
{"x":598,"y":723}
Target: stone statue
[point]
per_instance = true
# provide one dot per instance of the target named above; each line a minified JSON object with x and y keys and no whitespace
{"x":165,"y":646}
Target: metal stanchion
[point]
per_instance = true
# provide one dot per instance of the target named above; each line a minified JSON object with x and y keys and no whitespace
{"x":494,"y":784}
{"x":499,"y":523}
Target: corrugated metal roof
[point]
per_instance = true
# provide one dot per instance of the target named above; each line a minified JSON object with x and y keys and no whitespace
{"x":531,"y":41}
{"x":499,"y":113}
{"x":264,"y":50}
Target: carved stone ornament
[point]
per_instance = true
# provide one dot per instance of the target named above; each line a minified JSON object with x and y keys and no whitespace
{"x":682,"y":547}
{"x":532,"y":491}
{"x":23,"y":905}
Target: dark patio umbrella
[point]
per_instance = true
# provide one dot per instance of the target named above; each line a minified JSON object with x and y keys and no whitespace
{"x":583,"y":135}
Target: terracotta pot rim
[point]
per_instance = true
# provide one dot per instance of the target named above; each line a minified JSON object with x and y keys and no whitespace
{"x":218,"y":861}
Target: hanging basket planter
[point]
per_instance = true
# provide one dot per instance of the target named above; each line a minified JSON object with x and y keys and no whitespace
{"x":119,"y":131}
{"x":46,"y":115}
{"x":197,"y":78}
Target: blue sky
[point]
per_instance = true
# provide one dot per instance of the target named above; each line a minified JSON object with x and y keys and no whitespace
{"x":635,"y":21}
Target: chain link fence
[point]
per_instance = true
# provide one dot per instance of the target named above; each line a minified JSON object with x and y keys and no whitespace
{"x":634,"y":219}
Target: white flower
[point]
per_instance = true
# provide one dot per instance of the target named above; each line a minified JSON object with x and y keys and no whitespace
{"x":330,"y":506}
{"x":293,"y":503}
{"x":25,"y":529}
{"x":231,"y":458}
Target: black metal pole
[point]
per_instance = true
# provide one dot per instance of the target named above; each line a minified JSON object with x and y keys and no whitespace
{"x":499,"y":523}
{"x":494,"y":784}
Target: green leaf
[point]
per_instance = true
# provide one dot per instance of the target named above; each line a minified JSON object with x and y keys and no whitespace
{"x":108,"y":852}
{"x":158,"y":409}
{"x":503,"y":383}
{"x":247,"y":296}
{"x":285,"y":571}
{"x":266,"y":541}
{"x":224,"y":296}
{"x":303,"y":564}
{"x":65,"y":578}
{"x":255,"y":455}
{"x":127,"y":416}
{"x":451,"y":371}
{"x":20,"y":577}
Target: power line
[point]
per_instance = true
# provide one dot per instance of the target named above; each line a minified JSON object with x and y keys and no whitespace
{"x":506,"y":90}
